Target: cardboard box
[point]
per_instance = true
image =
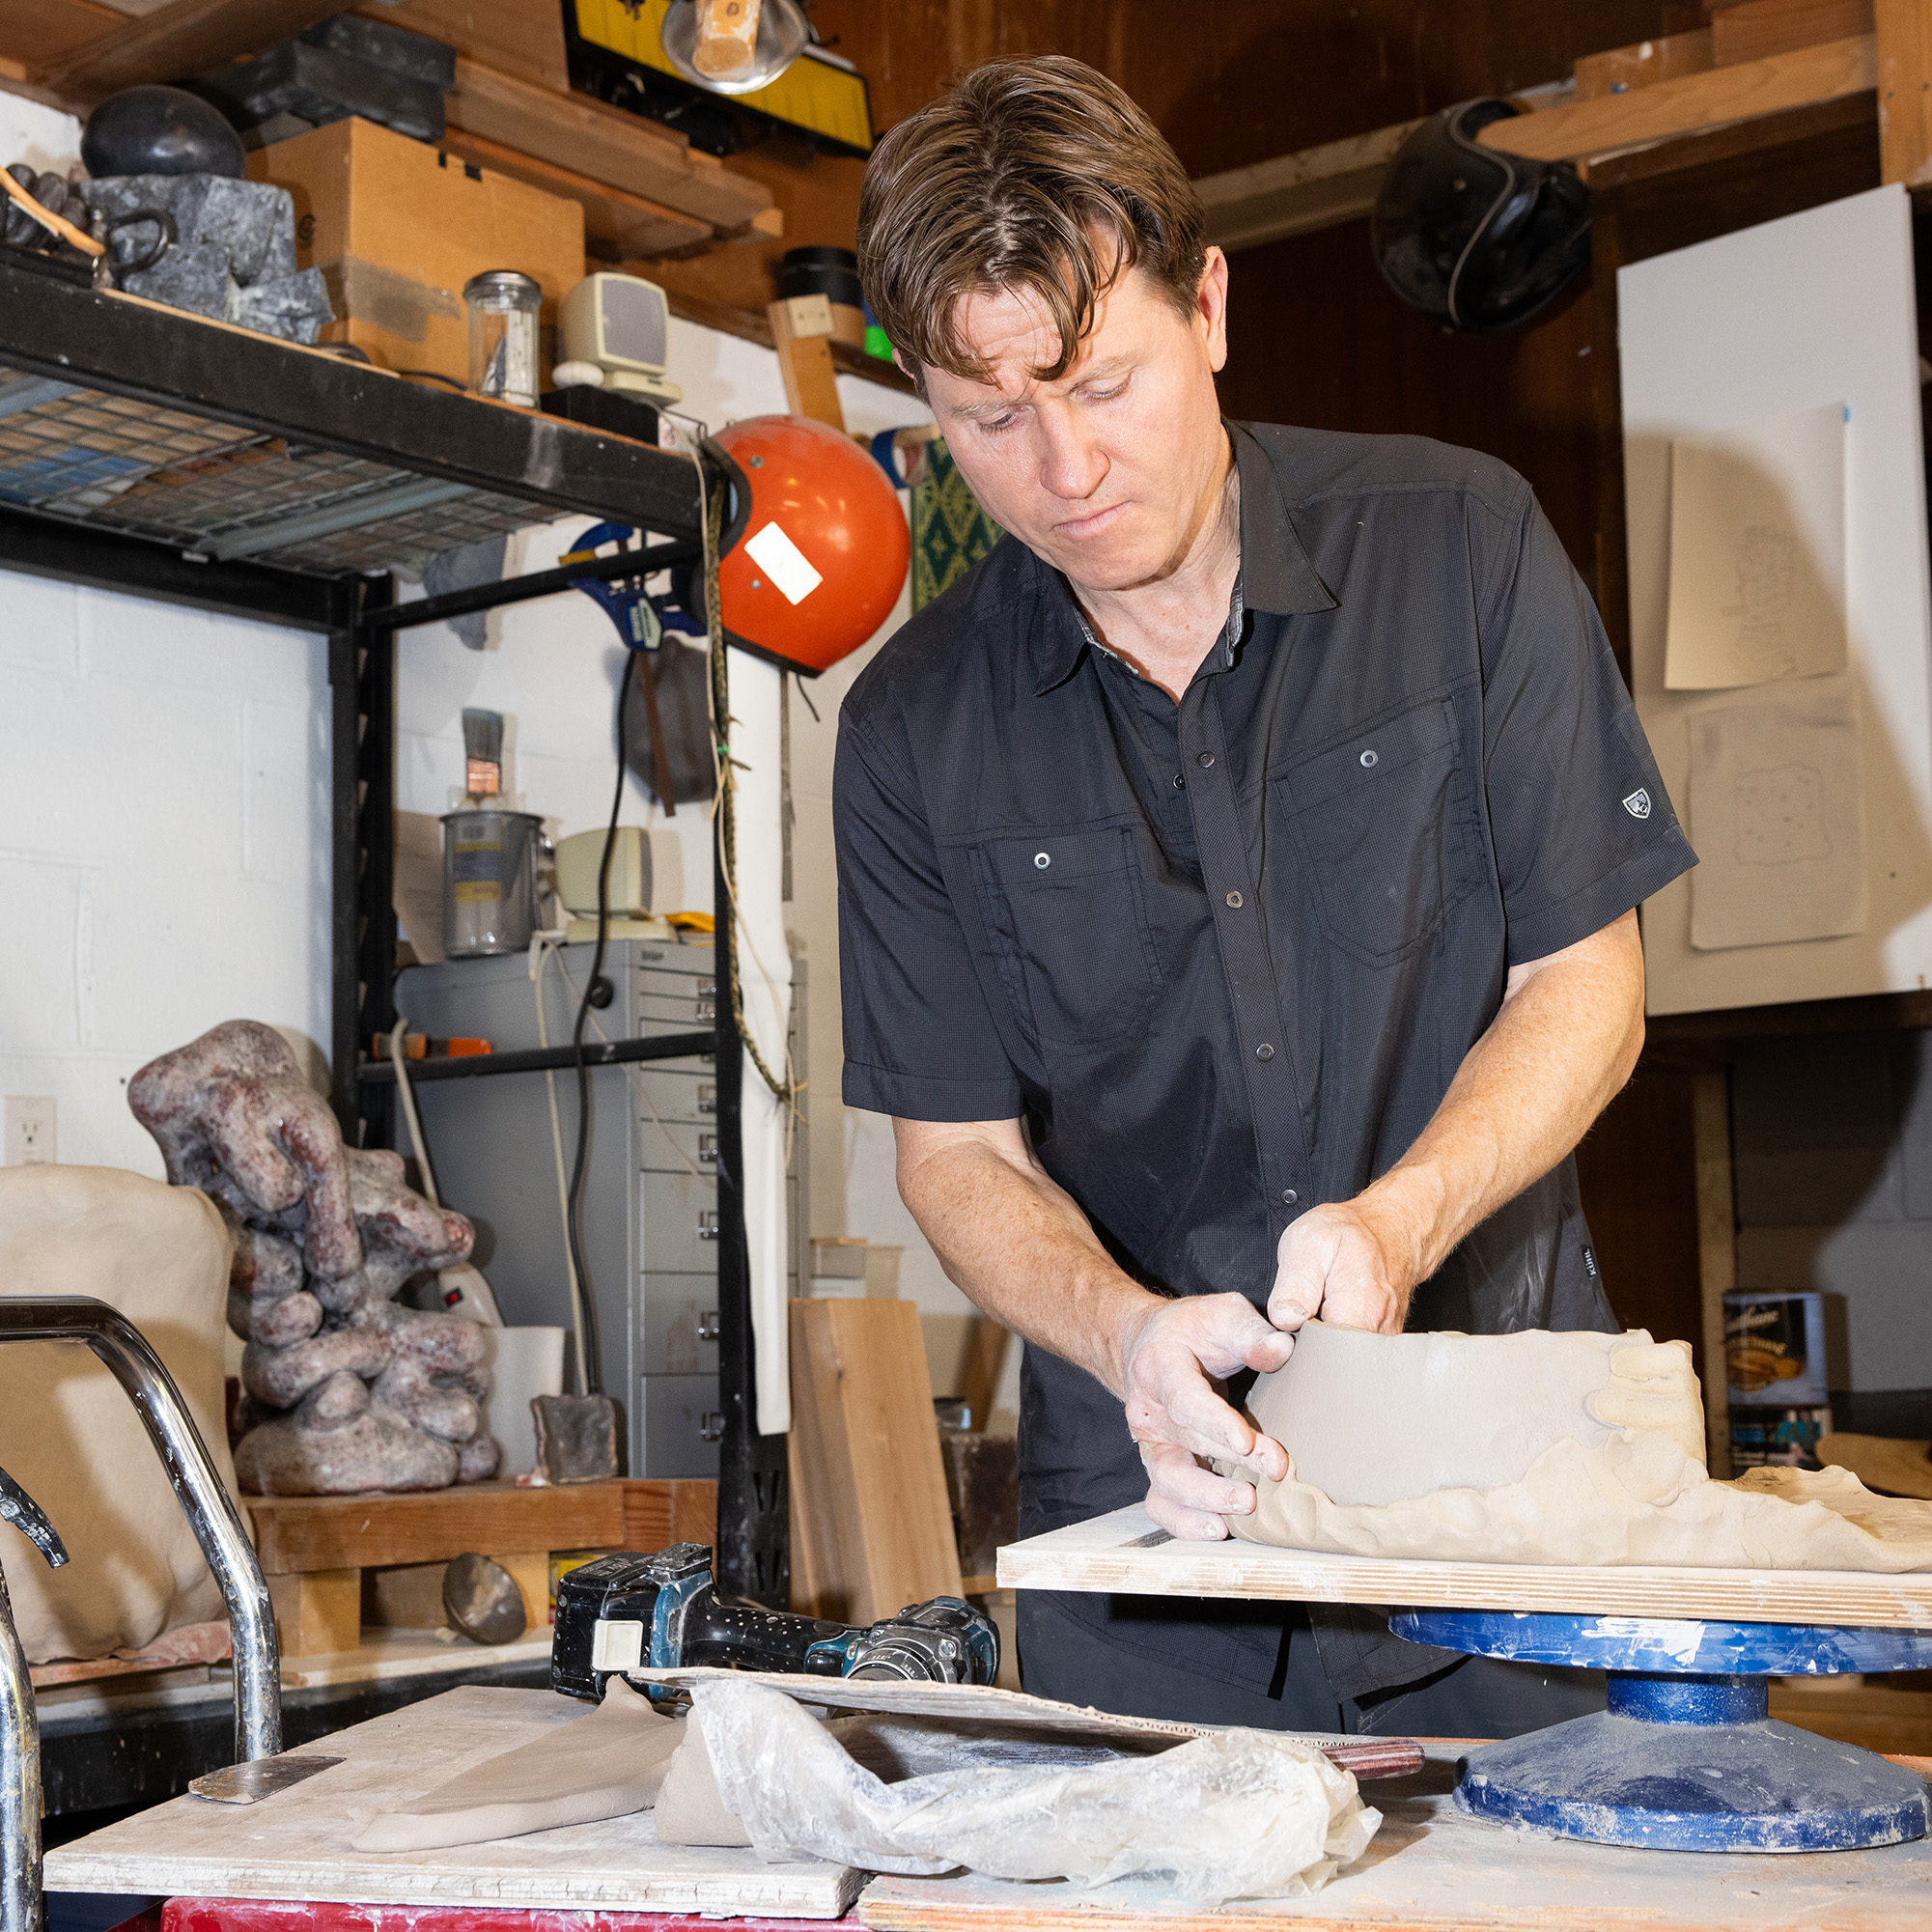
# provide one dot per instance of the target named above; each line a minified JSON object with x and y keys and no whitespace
{"x":397,"y":227}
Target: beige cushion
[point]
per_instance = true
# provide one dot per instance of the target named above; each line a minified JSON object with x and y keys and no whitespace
{"x":68,"y":1434}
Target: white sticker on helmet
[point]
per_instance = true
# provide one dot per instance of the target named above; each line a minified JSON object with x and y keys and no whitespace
{"x":784,"y":563}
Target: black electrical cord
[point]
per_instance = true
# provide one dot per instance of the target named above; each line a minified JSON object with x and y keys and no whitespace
{"x":597,"y":991}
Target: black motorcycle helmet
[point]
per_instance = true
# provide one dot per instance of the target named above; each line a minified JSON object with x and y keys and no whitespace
{"x":1475,"y":238}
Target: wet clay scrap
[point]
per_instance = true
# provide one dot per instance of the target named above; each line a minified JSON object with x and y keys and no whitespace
{"x":1554,"y":1449}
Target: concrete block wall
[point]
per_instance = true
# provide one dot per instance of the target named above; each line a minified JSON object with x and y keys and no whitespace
{"x":1832,"y":1143}
{"x":164,"y":806}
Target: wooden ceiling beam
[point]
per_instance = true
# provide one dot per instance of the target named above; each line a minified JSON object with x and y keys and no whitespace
{"x":1905,"y":91}
{"x":1672,"y":108}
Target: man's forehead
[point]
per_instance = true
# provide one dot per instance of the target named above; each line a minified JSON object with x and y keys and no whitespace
{"x":1012,"y":332}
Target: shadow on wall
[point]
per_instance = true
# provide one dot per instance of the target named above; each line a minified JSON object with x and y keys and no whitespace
{"x":1833,"y":1161}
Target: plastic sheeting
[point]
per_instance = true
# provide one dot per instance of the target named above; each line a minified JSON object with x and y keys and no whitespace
{"x":1239,"y":1814}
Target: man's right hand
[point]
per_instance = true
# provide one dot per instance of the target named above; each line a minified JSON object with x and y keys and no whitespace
{"x":1171,"y":1361}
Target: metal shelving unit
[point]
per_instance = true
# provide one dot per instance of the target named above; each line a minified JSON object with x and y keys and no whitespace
{"x":152,"y":452}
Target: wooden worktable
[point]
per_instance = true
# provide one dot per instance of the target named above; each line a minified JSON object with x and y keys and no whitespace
{"x":296,"y":1845}
{"x":1432,"y":1869}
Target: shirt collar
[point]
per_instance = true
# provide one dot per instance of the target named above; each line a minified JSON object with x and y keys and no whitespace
{"x":1275,"y":574}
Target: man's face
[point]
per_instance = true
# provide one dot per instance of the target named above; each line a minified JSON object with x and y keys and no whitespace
{"x":1108,"y":472}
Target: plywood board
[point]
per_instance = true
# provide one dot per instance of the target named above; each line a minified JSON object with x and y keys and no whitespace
{"x":346,"y":1533}
{"x":1431,"y":1866}
{"x":1123,"y":1551}
{"x":298,"y":1843}
{"x":1815,"y":309}
{"x":872,"y":1524}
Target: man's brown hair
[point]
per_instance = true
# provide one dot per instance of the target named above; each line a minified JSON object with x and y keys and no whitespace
{"x":1037,"y":176}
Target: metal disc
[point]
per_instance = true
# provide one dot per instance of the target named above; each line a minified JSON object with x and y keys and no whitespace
{"x":481,"y":1599}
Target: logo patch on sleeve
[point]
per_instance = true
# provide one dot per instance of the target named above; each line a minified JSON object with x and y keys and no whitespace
{"x":1638,"y":804}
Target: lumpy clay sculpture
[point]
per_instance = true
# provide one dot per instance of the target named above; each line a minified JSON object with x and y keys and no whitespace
{"x":346,"y":1389}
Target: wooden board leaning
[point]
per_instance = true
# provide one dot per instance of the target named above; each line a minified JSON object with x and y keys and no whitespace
{"x":1124,"y":1550}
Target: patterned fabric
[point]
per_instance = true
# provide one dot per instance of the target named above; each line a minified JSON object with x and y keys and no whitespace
{"x":950,"y":532}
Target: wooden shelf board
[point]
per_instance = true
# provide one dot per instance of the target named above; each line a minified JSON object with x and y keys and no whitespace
{"x":299,"y":1533}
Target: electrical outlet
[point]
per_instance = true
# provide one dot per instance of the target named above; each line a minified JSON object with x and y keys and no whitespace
{"x":30,"y":1130}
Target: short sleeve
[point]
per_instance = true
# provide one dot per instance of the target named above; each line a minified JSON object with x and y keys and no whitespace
{"x":1581,"y":825}
{"x":919,"y":1042}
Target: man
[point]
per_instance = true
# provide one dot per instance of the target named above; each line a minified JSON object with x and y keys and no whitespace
{"x":1237,"y":881}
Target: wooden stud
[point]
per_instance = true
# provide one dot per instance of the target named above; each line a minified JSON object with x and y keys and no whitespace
{"x":1717,"y":1248}
{"x":317,"y":1611}
{"x":1905,"y":91}
{"x":1674,"y":107}
{"x":872,"y":1529}
{"x":805,"y":359}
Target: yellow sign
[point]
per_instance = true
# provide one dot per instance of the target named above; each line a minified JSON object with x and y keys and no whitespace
{"x":815,"y":93}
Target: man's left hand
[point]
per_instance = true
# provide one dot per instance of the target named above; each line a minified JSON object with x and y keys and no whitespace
{"x":1346,"y":1264}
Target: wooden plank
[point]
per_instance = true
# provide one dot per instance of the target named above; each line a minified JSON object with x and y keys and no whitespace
{"x":176,"y":42}
{"x":985,"y":1369}
{"x":1717,"y":1250}
{"x":1675,"y":107}
{"x":1433,"y":1866}
{"x":616,"y":224}
{"x":32,"y":36}
{"x":658,"y":1512}
{"x":1762,"y":27}
{"x":317,"y":1611}
{"x":1298,"y":194}
{"x":1643,"y":64}
{"x":811,"y":381}
{"x":511,"y":35}
{"x":299,"y":1845}
{"x":1737,"y":141}
{"x":604,"y":143}
{"x":869,"y":1486}
{"x":1123,"y":1551}
{"x":334,"y":1532}
{"x":1905,"y":91}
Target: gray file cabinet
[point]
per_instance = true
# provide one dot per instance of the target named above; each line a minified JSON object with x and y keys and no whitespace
{"x":650,"y":1217}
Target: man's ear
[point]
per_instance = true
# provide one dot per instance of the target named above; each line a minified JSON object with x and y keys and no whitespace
{"x":1210,"y":308}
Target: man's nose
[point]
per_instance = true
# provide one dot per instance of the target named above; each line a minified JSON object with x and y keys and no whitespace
{"x":1071,"y":462}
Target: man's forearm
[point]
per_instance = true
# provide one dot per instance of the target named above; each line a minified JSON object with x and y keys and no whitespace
{"x":1564,"y":1042}
{"x":1016,"y":1244}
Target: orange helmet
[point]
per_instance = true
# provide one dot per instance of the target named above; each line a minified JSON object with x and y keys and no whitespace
{"x":825,"y":547}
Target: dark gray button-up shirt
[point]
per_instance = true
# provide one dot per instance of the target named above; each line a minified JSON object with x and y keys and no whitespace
{"x":1226,"y":956}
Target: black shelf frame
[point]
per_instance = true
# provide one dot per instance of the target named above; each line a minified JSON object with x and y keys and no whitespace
{"x":96,"y":344}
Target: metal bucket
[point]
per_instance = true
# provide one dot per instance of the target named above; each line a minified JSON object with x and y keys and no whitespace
{"x":490,"y":881}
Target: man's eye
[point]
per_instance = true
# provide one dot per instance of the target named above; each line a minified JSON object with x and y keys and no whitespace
{"x":1106,"y":395}
{"x":994,"y":424}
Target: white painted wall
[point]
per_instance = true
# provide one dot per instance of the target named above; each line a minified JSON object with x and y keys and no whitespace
{"x":164,"y":806}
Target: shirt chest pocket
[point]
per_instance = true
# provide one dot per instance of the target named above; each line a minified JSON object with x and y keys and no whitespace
{"x":1380,"y":823}
{"x":1070,"y":914}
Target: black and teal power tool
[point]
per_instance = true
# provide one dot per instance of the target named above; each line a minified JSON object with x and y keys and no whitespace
{"x":662,"y":1612}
